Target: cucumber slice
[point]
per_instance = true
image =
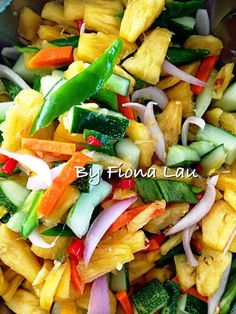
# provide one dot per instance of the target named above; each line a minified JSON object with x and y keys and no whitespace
{"x":189,"y":304}
{"x":173,"y":290}
{"x":116,"y":83}
{"x":202,"y":147}
{"x":120,"y":280}
{"x":108,"y":98}
{"x":219,"y":136}
{"x":3,"y":109}
{"x":182,"y":26}
{"x":80,"y":215}
{"x":181,"y":155}
{"x":102,"y":120}
{"x":204,"y":99}
{"x":127,"y":150}
{"x":214,"y":159}
{"x":228,"y":101}
{"x":187,"y":22}
{"x":20,"y":69}
{"x":14,"y":191}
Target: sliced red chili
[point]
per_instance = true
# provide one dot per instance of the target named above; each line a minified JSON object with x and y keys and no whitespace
{"x":76,"y":249}
{"x":126,"y":183}
{"x":76,"y":279}
{"x":9,"y":166}
{"x":79,"y":24}
{"x":92,"y":140}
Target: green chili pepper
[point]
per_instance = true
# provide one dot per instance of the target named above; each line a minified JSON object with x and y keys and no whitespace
{"x":31,"y":220}
{"x":180,"y":56}
{"x":68,"y":41}
{"x":66,"y":94}
{"x":36,"y":82}
{"x":28,"y":49}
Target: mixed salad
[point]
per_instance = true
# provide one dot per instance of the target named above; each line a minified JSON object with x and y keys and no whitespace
{"x":118,"y":161}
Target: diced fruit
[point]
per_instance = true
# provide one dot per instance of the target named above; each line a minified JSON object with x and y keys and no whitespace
{"x":170,"y":122}
{"x":139,"y":16}
{"x":211,"y":43}
{"x":226,"y":181}
{"x":212,"y":116}
{"x":218,"y":225}
{"x":91,"y":46}
{"x":230,"y":198}
{"x":49,"y":32}
{"x":228,"y":122}
{"x":185,"y":273}
{"x":222,"y":80}
{"x":211,"y":267}
{"x":171,"y":243}
{"x":146,"y":64}
{"x":28,"y":23}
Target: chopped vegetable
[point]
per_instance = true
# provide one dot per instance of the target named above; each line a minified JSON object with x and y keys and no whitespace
{"x":124,"y":300}
{"x":181,"y":56}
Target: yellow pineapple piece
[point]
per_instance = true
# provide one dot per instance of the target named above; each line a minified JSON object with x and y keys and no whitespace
{"x":91,"y":46}
{"x":28,"y":23}
{"x":140,"y":135}
{"x":172,"y":242}
{"x":213,"y":116}
{"x":161,"y":274}
{"x":226,"y":181}
{"x":139,"y":16}
{"x":63,"y":289}
{"x":63,"y":135}
{"x":185,"y":273}
{"x":68,"y":307}
{"x":43,"y":273}
{"x":230,"y":198}
{"x":228,"y":122}
{"x":4,"y":285}
{"x":51,"y":32}
{"x":50,"y":286}
{"x":101,"y":19}
{"x":74,"y":9}
{"x":212,"y":265}
{"x":16,"y":254}
{"x":223,"y":78}
{"x":13,"y":286}
{"x":211,"y":43}
{"x":173,"y":213}
{"x":146,"y":64}
{"x":170,"y":122}
{"x":182,"y":92}
{"x":25,"y":302}
{"x":218,"y":225}
{"x":121,"y":194}
{"x":74,"y":69}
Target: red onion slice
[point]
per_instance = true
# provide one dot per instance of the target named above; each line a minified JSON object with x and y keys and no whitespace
{"x":152,"y":93}
{"x":102,"y":223}
{"x":6,"y":72}
{"x":156,"y":133}
{"x":215,"y":299}
{"x":199,"y":211}
{"x":176,"y":72}
{"x":187,"y":235}
{"x":137,"y":107}
{"x":202,"y":22}
{"x":99,"y":302}
{"x":35,"y":164}
{"x":191,"y":120}
{"x":36,"y":239}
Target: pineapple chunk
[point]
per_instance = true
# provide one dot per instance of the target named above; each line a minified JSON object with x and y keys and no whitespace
{"x":74,"y":69}
{"x":29,"y":22}
{"x":172,"y":242}
{"x":25,"y":302}
{"x":211,"y":43}
{"x":69,"y":307}
{"x":140,"y":135}
{"x":43,"y":273}
{"x":4,"y":285}
{"x":63,"y":135}
{"x":211,"y":267}
{"x":16,"y":254}
{"x":232,"y":247}
{"x":226,"y":181}
{"x":161,"y":274}
{"x":218,"y":225}
{"x":63,"y":289}
{"x":53,"y":11}
{"x":50,"y":286}
{"x":173,"y":212}
{"x":147,"y":62}
{"x":74,"y":9}
{"x":121,"y":194}
{"x":185,"y":273}
{"x":213,"y":116}
{"x":170,"y":122}
{"x":145,"y":216}
{"x":182,"y":92}
{"x":139,"y":16}
{"x":91,"y":46}
{"x":230,"y":198}
{"x":101,"y":19}
{"x":49,"y":32}
{"x":57,"y":252}
{"x":112,"y":252}
{"x":13,"y":286}
{"x":223,"y":78}
{"x":228,"y":122}
{"x":82,"y":301}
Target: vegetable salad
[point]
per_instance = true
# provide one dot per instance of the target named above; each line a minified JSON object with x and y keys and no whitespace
{"x":118,"y":161}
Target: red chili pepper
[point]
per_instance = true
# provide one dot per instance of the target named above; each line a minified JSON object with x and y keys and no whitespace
{"x":204,"y":72}
{"x":76,"y":249}
{"x":155,"y":242}
{"x":125,"y":302}
{"x":75,"y":277}
{"x":197,"y":245}
{"x":127,"y":111}
{"x":92,"y":140}
{"x":199,"y":196}
{"x":79,"y":23}
{"x":9,"y":166}
{"x":199,"y":168}
{"x":126,"y":183}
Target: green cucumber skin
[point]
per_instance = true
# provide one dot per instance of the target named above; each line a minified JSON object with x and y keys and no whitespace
{"x":173,"y":290}
{"x":107,"y":98}
{"x":189,"y":304}
{"x":229,"y":295}
{"x":112,"y":125}
{"x":179,"y":155}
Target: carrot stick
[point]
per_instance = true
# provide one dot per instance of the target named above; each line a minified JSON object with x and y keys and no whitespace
{"x":3,"y":159}
{"x":52,"y":57}
{"x":46,"y":146}
{"x":124,"y":300}
{"x":127,"y":112}
{"x":66,"y":177}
